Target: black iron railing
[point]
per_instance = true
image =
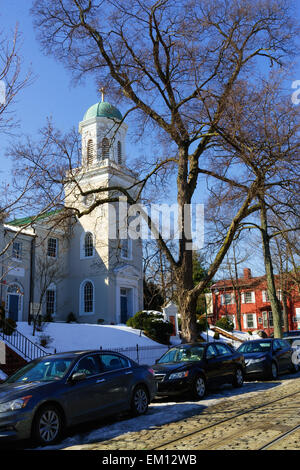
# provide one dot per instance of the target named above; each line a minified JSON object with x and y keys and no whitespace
{"x":20,"y":343}
{"x":141,"y":354}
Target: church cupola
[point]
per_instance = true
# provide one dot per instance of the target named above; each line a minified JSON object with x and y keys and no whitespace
{"x":103,"y":135}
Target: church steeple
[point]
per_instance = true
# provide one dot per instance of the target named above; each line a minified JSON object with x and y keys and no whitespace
{"x":103,"y":135}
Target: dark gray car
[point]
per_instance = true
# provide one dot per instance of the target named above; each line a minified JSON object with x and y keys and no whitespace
{"x":61,"y":390}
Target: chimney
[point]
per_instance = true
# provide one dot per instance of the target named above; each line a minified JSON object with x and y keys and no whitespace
{"x":247,"y":273}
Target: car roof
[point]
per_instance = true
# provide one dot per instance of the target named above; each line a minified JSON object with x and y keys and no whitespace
{"x":76,"y":354}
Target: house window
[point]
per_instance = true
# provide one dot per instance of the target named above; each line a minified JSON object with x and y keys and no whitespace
{"x":227,"y":299}
{"x":52,"y":247}
{"x":265,"y":296}
{"x":17,"y":250}
{"x":88,"y":245}
{"x":88,"y":293}
{"x":90,"y":152}
{"x":105,"y":148}
{"x":250,"y":320}
{"x":126,"y":248}
{"x":119,"y":153}
{"x":50,"y":301}
{"x":248,"y":297}
{"x":271,"y":324}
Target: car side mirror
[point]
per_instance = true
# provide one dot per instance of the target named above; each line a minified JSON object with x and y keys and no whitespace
{"x":77,"y":377}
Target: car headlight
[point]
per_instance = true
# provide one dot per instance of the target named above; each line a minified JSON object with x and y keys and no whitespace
{"x":13,"y":405}
{"x":179,"y":375}
{"x":254,"y":361}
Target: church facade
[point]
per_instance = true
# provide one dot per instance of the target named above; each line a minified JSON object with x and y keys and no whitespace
{"x":85,"y":264}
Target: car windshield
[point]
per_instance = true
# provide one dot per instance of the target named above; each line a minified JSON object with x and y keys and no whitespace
{"x":194,"y":353}
{"x":255,"y":346}
{"x":45,"y":370}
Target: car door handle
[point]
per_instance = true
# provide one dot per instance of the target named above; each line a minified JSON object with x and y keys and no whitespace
{"x":128,"y":373}
{"x":99,"y":381}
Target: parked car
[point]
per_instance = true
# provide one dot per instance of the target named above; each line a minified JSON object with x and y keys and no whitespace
{"x":286,"y":334}
{"x":193,"y":368}
{"x":60,"y":390}
{"x":266,"y":358}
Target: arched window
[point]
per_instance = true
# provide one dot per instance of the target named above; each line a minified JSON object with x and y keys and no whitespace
{"x":88,"y":245}
{"x":119,"y":153}
{"x":90,"y":152}
{"x":105,"y":148}
{"x":88,"y":297}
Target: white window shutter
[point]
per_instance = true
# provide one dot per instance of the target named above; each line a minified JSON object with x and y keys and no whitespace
{"x":253,"y":297}
{"x":245,"y":320}
{"x":255,"y":320}
{"x":243,"y":297}
{"x":222,"y":300}
{"x":264,"y":298}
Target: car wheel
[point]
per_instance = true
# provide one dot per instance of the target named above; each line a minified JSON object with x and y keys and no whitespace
{"x":47,"y":425}
{"x":199,"y":387}
{"x":238,"y":378}
{"x":274,"y":371}
{"x":139,"y":401}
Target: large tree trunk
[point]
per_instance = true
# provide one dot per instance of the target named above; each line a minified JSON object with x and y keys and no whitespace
{"x":275,"y":304}
{"x":187,"y":303}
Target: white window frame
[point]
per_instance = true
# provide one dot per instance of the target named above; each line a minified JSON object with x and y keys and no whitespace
{"x":51,"y":288}
{"x":82,"y":245}
{"x":20,"y":253}
{"x":252,"y":297}
{"x":56,"y":247}
{"x":245,"y":321}
{"x":81,"y":298}
{"x":129,"y":256}
{"x":223,"y":298}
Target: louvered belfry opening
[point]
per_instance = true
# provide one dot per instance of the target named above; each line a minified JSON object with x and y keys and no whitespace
{"x":119,"y":153}
{"x":90,"y":152}
{"x":105,"y":148}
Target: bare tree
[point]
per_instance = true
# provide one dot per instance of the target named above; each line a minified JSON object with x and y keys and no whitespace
{"x":266,"y":141}
{"x":177,"y":66}
{"x":12,"y":79}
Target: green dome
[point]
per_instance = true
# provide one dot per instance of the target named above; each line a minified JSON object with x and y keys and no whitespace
{"x":103,"y":109}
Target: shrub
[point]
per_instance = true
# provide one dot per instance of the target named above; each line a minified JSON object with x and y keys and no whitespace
{"x":250,"y":333}
{"x":202,"y":325}
{"x":100,"y":321}
{"x":71,"y":318}
{"x":9,"y":326}
{"x":153,"y":326}
{"x":45,"y":340}
{"x":216,"y":335}
{"x":225,"y":324}
{"x":137,"y":321}
{"x":158,"y":330}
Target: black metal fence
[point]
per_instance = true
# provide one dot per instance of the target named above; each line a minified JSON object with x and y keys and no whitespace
{"x":142,"y":354}
{"x":21,"y":343}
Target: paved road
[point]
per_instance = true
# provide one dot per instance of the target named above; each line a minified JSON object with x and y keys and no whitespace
{"x":252,"y":430}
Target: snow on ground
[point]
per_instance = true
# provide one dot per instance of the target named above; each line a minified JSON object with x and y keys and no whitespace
{"x":162,"y":411}
{"x":80,"y":336}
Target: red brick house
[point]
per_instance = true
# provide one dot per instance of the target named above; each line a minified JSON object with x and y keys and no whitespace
{"x":256,"y":313}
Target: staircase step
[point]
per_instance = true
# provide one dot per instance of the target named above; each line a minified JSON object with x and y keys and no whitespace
{"x":13,"y":363}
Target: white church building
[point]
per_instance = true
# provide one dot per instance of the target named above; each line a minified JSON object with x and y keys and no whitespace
{"x":55,"y":266}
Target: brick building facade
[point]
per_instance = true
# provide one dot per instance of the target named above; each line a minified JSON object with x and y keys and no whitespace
{"x":256,"y":313}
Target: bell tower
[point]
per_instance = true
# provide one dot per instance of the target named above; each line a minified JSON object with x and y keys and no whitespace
{"x":103,"y":136}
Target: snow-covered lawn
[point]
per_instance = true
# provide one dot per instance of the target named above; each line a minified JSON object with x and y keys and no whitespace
{"x":80,"y":336}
